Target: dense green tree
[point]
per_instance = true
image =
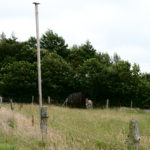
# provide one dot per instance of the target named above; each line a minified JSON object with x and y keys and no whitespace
{"x":64,"y":71}
{"x":116,"y":58}
{"x":19,"y":80}
{"x":104,"y":58}
{"x":121,"y":82}
{"x":79,"y":54}
{"x":31,"y":43}
{"x":57,"y":76}
{"x":92,"y":77}
{"x":54,"y":43}
{"x":9,"y":48}
{"x":143,"y":100}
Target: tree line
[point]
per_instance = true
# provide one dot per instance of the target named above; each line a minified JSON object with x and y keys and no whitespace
{"x":80,"y":68}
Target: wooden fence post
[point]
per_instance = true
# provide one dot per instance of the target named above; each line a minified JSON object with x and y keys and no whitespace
{"x":107,"y":103}
{"x":44,"y":119}
{"x":131,"y":105}
{"x":21,"y":106}
{"x":32,"y":120}
{"x":32,"y":100}
{"x":49,"y":100}
{"x":11,"y":104}
{"x":134,"y":136}
{"x":1,"y":101}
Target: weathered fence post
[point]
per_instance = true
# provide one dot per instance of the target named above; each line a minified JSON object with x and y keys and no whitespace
{"x":32,"y":120}
{"x":131,"y":105}
{"x":44,"y":119}
{"x":107,"y":103}
{"x":49,"y":100}
{"x":134,"y":136}
{"x":1,"y":101}
{"x":32,"y":100}
{"x":11,"y":104}
{"x":21,"y":106}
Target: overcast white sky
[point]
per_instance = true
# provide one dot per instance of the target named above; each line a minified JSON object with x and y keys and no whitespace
{"x":121,"y":26}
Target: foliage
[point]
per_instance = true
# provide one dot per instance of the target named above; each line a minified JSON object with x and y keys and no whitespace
{"x":54,"y":43}
{"x":57,"y":76}
{"x":67,"y":70}
{"x":19,"y":80}
{"x":79,"y":54}
{"x":9,"y":48}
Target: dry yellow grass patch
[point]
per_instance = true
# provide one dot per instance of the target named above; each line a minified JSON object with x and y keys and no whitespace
{"x":18,"y":125}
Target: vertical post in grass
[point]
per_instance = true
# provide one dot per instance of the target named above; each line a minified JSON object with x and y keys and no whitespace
{"x":49,"y":100}
{"x":32,"y":120}
{"x":11,"y":104}
{"x":131,"y":105}
{"x":43,"y":109}
{"x":107,"y":103}
{"x":134,"y":136}
{"x":1,"y":101}
{"x":32,"y":100}
{"x":21,"y":106}
{"x":44,"y":119}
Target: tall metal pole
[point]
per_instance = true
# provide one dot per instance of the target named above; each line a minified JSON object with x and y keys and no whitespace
{"x":38,"y":54}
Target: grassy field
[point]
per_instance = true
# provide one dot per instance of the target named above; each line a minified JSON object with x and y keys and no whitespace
{"x":71,"y":129}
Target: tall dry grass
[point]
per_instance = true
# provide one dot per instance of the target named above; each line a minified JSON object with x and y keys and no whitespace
{"x":72,"y":129}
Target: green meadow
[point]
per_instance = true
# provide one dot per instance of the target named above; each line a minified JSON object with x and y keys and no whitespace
{"x":70,"y":129}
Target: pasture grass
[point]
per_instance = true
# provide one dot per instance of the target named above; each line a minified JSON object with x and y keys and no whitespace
{"x":71,"y":129}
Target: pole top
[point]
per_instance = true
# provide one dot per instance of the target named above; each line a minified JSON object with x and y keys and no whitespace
{"x":36,"y":3}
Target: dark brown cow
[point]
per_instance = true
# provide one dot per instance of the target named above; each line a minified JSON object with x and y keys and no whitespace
{"x":75,"y":100}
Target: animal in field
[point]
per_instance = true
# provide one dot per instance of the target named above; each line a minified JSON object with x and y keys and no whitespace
{"x":89,"y":103}
{"x":78,"y":100}
{"x":75,"y":100}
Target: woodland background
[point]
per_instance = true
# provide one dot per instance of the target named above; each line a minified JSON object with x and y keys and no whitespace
{"x":65,"y":70}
